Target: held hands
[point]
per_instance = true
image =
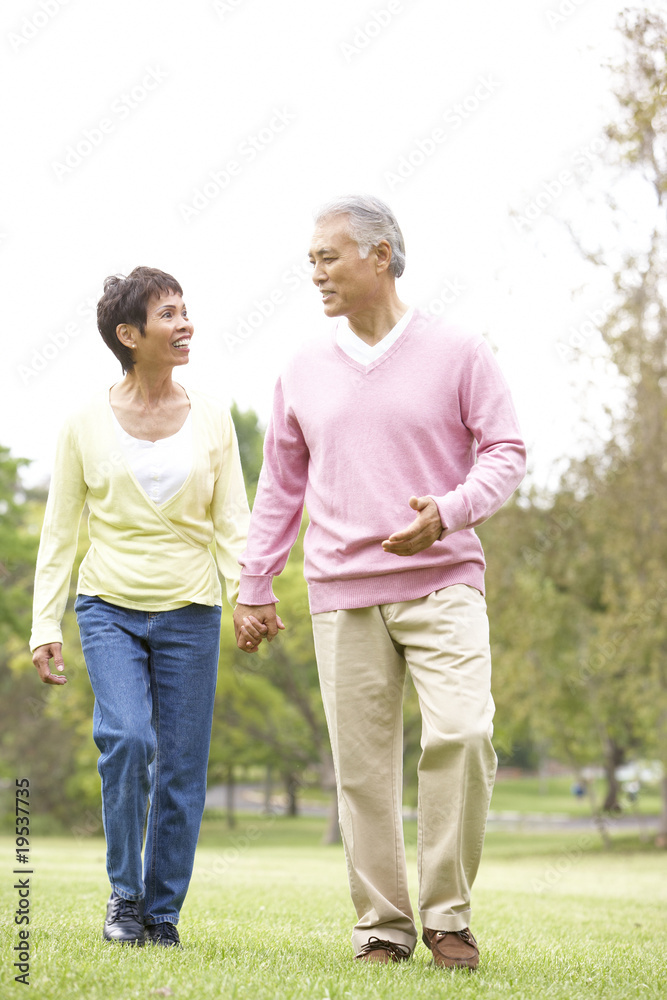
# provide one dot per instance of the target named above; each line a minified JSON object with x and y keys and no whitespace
{"x":41,"y":657}
{"x":254,"y":622}
{"x":421,"y":534}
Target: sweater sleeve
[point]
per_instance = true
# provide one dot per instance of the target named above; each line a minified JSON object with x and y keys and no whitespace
{"x":488,"y":413}
{"x":229,"y":512}
{"x":58,"y":542}
{"x":278,"y":507}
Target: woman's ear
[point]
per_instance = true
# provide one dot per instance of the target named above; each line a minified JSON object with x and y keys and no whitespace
{"x":126,"y":334}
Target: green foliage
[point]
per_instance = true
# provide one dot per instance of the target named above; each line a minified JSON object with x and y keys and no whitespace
{"x":627,"y":486}
{"x":45,"y":731}
{"x":268,"y":709}
{"x":251,"y":438}
{"x":578,"y":581}
{"x":33,"y":740}
{"x":18,"y":548}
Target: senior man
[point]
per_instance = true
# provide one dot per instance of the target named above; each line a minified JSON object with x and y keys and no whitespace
{"x":394,"y":407}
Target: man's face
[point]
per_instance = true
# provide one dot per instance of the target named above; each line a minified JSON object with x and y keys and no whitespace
{"x":348,"y":284}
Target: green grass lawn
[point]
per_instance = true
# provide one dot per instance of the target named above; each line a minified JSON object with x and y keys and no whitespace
{"x":268,"y":917}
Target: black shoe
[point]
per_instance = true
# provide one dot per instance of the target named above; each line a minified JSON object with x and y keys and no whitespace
{"x":125,"y":920}
{"x":164,"y":934}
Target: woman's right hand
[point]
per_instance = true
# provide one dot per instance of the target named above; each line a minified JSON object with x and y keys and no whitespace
{"x":41,"y":657}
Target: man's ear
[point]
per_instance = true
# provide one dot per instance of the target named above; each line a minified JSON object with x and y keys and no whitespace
{"x":383,"y":256}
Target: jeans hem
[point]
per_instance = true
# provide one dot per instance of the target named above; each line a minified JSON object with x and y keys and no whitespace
{"x":129,"y":896}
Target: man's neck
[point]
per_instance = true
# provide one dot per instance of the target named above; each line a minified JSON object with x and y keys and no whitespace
{"x":373,"y":325}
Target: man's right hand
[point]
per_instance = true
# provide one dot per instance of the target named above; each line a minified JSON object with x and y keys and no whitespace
{"x":41,"y":657}
{"x":254,"y":622}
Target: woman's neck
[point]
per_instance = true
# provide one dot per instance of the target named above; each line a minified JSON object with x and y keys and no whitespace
{"x":147,"y":390}
{"x":149,"y":408}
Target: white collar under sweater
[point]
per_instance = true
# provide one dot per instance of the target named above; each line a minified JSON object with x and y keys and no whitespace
{"x":365,"y":353}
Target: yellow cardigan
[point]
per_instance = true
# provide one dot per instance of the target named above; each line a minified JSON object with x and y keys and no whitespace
{"x":141,"y":556}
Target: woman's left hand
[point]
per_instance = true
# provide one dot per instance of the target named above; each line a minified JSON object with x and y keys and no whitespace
{"x":41,"y":657}
{"x":250,"y":630}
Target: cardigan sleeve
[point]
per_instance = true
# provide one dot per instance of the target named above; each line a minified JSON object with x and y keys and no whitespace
{"x":58,"y":542}
{"x":278,"y":507}
{"x":229,"y":511}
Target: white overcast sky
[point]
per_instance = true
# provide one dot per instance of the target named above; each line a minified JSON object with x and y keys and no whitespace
{"x":120,"y":114}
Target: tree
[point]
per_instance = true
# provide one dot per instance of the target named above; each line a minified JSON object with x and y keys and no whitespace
{"x":594,"y":583}
{"x":297,"y":731}
{"x":268,"y":706}
{"x":17,"y":549}
{"x":634,"y":464}
{"x":37,"y":741}
{"x":250,"y":437}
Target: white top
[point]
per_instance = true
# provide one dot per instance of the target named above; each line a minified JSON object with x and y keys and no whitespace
{"x":365,"y":353}
{"x":161,"y":467}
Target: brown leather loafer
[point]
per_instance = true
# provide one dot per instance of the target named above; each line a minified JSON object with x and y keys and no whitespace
{"x":376,"y":950}
{"x":452,"y":949}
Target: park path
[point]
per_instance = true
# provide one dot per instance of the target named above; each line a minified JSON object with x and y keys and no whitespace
{"x":251,"y":798}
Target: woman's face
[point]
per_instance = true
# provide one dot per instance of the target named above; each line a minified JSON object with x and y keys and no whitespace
{"x":168,"y":332}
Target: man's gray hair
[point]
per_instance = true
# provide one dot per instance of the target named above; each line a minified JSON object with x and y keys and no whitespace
{"x":370,"y":222}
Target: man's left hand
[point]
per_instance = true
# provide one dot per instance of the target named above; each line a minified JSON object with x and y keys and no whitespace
{"x":254,"y":622}
{"x":424,"y":530}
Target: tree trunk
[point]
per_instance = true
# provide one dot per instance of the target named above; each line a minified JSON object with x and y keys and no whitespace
{"x":328,"y":782}
{"x":230,"y":795}
{"x":292,"y":788}
{"x":598,"y":818}
{"x":332,"y":832}
{"x":268,"y":790}
{"x":613,"y":758}
{"x":661,"y":839}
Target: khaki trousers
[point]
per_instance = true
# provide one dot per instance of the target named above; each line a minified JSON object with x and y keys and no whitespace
{"x":362,"y":656}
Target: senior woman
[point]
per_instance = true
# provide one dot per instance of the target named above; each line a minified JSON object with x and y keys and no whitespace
{"x":160,"y":472}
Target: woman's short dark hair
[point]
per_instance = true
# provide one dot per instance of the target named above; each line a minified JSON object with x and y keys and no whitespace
{"x":125,"y":300}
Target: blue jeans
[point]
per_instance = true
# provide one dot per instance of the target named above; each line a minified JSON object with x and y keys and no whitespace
{"x":153,"y":675}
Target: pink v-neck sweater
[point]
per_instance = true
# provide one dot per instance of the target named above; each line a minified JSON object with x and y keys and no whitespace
{"x":432,"y":416}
